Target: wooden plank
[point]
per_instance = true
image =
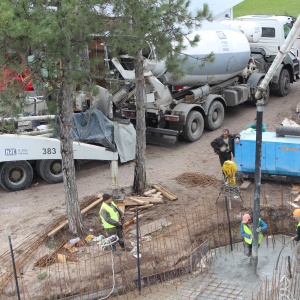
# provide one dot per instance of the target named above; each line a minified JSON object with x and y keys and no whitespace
{"x":156,"y":200}
{"x":297,"y":199}
{"x":121,"y":206}
{"x":245,"y":185}
{"x":141,"y":207}
{"x":293,"y":204}
{"x":132,"y":221}
{"x":63,"y":224}
{"x":165,"y":192}
{"x":148,"y":193}
{"x":129,"y":202}
{"x":152,"y":227}
{"x":140,"y":202}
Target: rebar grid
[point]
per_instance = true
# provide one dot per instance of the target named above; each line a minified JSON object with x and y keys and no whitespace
{"x":174,"y":255}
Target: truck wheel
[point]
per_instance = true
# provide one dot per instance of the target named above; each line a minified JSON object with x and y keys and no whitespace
{"x":194,"y":126}
{"x":284,"y":83}
{"x":16,"y":175}
{"x":50,"y":170}
{"x":215,"y":116}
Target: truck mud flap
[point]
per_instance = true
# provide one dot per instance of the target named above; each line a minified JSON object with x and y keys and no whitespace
{"x":161,"y":137}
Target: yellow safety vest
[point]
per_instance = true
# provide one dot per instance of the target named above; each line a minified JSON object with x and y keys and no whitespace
{"x":112,"y":213}
{"x":248,"y":231}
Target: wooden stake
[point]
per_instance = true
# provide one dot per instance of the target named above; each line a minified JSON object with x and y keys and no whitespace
{"x":165,"y":192}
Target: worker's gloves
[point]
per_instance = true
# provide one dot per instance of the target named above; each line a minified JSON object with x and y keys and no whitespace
{"x":258,"y":229}
{"x":251,"y":236}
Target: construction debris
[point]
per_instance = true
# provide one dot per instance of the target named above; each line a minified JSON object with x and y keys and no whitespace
{"x":63,"y":224}
{"x":195,"y":179}
{"x":165,"y":192}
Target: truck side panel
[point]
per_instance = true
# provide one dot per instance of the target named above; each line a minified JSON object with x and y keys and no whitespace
{"x":17,"y":147}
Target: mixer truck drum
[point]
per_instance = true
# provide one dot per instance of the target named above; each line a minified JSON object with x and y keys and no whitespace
{"x":287,"y":130}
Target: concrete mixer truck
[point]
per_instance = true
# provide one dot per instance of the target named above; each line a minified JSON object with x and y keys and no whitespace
{"x":205,"y":91}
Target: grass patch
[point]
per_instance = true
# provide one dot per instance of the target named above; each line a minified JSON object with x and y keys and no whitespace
{"x":273,"y":7}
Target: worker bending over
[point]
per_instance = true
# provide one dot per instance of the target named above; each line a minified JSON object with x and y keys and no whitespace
{"x":112,"y":219}
{"x":296,"y":215}
{"x":246,"y":232}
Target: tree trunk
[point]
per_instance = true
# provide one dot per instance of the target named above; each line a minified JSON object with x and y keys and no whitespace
{"x":139,"y":183}
{"x":66,"y":146}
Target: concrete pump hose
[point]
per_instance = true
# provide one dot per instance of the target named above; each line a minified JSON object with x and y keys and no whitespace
{"x":276,"y":268}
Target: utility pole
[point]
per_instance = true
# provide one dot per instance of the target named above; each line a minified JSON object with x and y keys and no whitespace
{"x":285,"y":48}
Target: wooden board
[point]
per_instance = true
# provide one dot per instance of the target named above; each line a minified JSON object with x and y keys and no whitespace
{"x":128,"y":202}
{"x":121,"y":206}
{"x":245,"y":185}
{"x":152,"y":227}
{"x":165,"y":192}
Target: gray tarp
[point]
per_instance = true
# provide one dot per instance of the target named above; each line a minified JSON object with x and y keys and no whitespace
{"x":94,"y":127}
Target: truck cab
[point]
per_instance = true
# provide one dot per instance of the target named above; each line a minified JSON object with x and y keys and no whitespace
{"x":274,"y":31}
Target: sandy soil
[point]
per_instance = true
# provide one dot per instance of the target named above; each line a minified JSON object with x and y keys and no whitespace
{"x":25,"y":212}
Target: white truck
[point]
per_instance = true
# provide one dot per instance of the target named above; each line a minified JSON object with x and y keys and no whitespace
{"x":20,"y":154}
{"x":199,"y":98}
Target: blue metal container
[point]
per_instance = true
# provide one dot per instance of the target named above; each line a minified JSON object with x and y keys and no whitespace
{"x":280,"y":155}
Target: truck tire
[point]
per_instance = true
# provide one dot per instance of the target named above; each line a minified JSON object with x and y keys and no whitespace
{"x":16,"y":175}
{"x":50,"y":170}
{"x":194,"y":126}
{"x":215,"y":116}
{"x":284,"y":83}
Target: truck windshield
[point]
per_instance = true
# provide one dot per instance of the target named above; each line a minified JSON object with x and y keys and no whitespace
{"x":287,"y":28}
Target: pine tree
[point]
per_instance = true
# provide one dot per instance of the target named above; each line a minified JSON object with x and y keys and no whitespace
{"x":155,"y":29}
{"x":55,"y":34}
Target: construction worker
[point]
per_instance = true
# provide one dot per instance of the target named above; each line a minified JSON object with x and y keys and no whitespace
{"x":112,"y":219}
{"x":296,"y":215}
{"x":224,"y":145}
{"x":253,"y":126}
{"x":246,"y":232}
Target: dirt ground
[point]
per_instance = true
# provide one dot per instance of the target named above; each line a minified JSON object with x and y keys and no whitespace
{"x":28,"y":211}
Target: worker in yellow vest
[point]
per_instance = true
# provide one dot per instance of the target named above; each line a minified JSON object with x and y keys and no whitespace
{"x":296,"y":215}
{"x":112,"y":219}
{"x":246,"y":232}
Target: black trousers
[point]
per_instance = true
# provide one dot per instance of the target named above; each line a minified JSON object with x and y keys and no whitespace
{"x":223,"y":156}
{"x":119,"y":233}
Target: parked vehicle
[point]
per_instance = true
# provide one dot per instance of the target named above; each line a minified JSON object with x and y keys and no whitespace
{"x":199,"y":98}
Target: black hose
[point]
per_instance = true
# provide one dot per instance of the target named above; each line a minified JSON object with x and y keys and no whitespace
{"x":276,"y":268}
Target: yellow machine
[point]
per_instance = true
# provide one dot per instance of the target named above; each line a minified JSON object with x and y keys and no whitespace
{"x":229,"y":169}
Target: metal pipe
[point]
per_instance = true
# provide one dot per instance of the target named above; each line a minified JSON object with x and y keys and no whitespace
{"x":29,"y":118}
{"x":14,"y":266}
{"x":138,"y":248}
{"x":257,"y":184}
{"x":229,"y":225}
{"x":287,"y":130}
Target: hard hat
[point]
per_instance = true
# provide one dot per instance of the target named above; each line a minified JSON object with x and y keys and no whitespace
{"x":296,"y":213}
{"x":246,"y":218}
